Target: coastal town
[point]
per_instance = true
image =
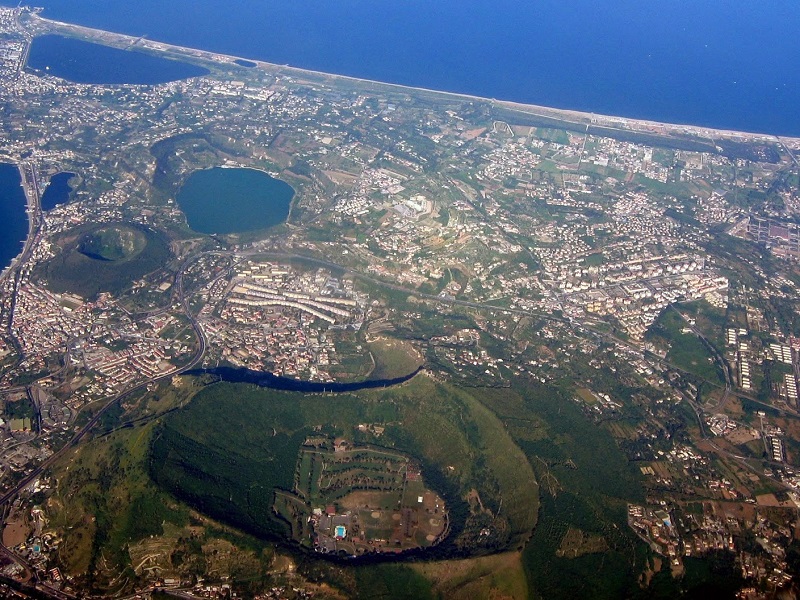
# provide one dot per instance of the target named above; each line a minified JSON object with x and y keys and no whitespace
{"x":646,"y":271}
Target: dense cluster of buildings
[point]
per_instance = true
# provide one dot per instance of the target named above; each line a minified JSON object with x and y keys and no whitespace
{"x":549,"y":239}
{"x":270,"y":317}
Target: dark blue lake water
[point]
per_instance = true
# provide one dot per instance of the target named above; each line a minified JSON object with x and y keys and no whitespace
{"x":57,"y":191}
{"x":261,"y":379}
{"x":733,"y":64}
{"x":13,"y":219}
{"x":223,"y":200}
{"x":83,"y":62}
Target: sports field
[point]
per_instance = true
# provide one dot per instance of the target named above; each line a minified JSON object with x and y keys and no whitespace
{"x":356,"y":499}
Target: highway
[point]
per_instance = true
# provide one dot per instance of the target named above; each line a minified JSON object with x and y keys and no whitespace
{"x":198,"y":356}
{"x":202,"y":344}
{"x":33,"y":208}
{"x":179,"y":294}
{"x":9,"y":496}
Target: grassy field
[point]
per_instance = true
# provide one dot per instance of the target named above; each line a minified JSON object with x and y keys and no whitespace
{"x":496,"y":576}
{"x":686,"y":350}
{"x":711,"y":321}
{"x":393,"y":358}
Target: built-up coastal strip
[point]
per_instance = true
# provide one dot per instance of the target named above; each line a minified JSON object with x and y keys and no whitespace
{"x":631,"y":281}
{"x":41,"y":25}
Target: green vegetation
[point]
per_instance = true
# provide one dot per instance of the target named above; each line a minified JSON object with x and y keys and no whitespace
{"x":324,"y":475}
{"x":714,"y":576}
{"x":559,"y":136}
{"x":495,"y":576}
{"x":19,"y":409}
{"x":106,"y":501}
{"x":594,"y":260}
{"x":391,"y":581}
{"x":235,"y":483}
{"x":686,"y":350}
{"x":226,"y":452}
{"x":586,"y":482}
{"x":172,"y":155}
{"x":104,"y":259}
{"x":393,"y":358}
{"x":114,"y":243}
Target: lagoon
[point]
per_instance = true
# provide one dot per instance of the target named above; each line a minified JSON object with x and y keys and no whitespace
{"x":85,"y":62}
{"x":223,"y":200}
{"x":731,"y":64}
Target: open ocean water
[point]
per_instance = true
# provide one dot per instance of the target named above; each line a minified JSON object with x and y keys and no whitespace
{"x":13,"y":219}
{"x":732,"y":65}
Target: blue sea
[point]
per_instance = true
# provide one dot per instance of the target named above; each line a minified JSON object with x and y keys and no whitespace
{"x":13,"y":219}
{"x":732,"y":64}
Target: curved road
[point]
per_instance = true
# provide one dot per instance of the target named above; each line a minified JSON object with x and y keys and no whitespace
{"x":8,"y":496}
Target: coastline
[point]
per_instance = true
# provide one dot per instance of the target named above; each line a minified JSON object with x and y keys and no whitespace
{"x":574,"y":117}
{"x":30,"y":216}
